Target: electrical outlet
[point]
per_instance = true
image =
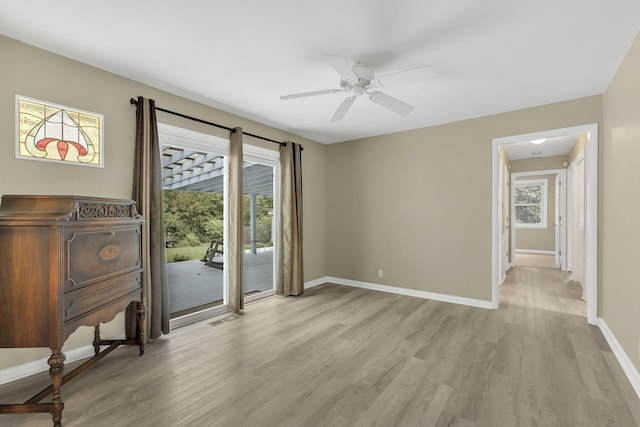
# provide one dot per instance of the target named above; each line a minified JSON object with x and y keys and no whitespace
{"x":380,"y":274}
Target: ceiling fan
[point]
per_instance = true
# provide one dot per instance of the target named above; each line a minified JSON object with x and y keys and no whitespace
{"x":358,"y":80}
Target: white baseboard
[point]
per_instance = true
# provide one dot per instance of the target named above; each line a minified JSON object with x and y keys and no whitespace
{"x":315,"y":282}
{"x":40,"y":365}
{"x":627,"y":366}
{"x":534,"y":251}
{"x":411,"y":292}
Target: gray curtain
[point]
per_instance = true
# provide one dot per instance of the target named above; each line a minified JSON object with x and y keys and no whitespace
{"x":147,"y":193}
{"x":290,"y":267}
{"x":235,"y":245}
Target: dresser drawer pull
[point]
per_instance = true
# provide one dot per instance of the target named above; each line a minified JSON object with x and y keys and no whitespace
{"x":111,"y":233}
{"x":109,"y":252}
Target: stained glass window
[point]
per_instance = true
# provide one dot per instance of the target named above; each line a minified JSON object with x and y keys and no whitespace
{"x":57,"y":133}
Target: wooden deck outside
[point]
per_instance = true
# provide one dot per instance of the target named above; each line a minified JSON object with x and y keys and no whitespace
{"x":193,"y":284}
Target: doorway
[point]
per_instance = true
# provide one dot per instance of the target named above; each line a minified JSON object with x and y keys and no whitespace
{"x":538,"y":203}
{"x":590,"y":212}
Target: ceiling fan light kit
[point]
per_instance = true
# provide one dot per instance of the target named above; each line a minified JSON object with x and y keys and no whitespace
{"x":358,"y":80}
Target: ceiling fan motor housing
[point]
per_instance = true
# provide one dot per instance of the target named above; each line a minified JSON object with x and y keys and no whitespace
{"x":359,"y":85}
{"x":363,"y":73}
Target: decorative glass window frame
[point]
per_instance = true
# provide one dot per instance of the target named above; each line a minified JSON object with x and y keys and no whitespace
{"x":41,"y":128}
{"x":543,"y":183}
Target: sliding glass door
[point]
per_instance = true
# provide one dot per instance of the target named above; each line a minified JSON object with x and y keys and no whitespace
{"x":260,"y":220}
{"x":194,"y":182}
{"x":195,"y":172}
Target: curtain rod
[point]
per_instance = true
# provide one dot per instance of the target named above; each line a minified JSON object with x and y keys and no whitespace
{"x":195,"y":119}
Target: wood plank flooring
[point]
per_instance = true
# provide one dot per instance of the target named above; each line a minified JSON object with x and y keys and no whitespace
{"x":341,"y":356}
{"x":524,"y":259}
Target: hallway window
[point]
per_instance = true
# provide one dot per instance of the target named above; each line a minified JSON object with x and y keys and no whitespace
{"x":531,"y":203}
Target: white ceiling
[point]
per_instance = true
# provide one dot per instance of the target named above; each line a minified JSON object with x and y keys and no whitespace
{"x":240,"y":56}
{"x":558,"y":146}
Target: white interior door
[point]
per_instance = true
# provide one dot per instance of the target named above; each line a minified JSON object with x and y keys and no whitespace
{"x":558,"y":222}
{"x":561,"y":221}
{"x":507,"y":220}
{"x":578,"y":235}
{"x":503,"y":221}
{"x":501,"y":248}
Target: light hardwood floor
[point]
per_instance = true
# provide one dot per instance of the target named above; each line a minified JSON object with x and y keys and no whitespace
{"x":341,"y":356}
{"x":524,"y":259}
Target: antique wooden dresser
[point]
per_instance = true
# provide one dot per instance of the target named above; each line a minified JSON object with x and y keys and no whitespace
{"x":66,"y":262}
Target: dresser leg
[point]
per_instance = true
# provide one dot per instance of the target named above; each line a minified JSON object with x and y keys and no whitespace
{"x":96,"y":339}
{"x":141,"y":316}
{"x":56,"y":369}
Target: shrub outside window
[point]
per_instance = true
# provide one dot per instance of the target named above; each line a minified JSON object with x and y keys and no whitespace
{"x":530,"y":200}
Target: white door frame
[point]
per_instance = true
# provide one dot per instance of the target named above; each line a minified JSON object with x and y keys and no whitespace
{"x":560,"y":209}
{"x":569,"y":212}
{"x":591,"y":212}
{"x":559,"y":218}
{"x":507,"y":250}
{"x":502,"y":267}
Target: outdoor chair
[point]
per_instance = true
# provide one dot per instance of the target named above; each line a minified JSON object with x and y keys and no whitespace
{"x":215,"y":250}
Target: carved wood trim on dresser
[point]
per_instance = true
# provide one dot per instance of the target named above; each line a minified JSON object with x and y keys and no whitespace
{"x":66,"y":262}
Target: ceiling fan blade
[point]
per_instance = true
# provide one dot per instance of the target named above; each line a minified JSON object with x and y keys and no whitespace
{"x":391,"y":103}
{"x":412,"y":75}
{"x":317,"y":92}
{"x":343,"y":108}
{"x":342,"y":67}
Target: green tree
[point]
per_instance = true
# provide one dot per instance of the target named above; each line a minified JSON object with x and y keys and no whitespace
{"x":192,"y":216}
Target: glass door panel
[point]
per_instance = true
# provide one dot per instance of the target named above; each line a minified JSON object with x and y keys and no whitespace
{"x":193,"y":183}
{"x":259,"y":229}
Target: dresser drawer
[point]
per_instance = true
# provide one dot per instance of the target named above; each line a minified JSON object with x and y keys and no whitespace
{"x":93,"y":299}
{"x":100,"y":254}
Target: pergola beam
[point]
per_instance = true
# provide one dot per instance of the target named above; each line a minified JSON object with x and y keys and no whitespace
{"x":192,"y":170}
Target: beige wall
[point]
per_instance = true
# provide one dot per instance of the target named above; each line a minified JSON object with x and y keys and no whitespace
{"x":540,"y":239}
{"x":620,"y":205}
{"x":417,"y":204}
{"x":543,"y":163}
{"x":35,"y":73}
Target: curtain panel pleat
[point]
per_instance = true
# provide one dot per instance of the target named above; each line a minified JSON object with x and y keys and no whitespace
{"x":235,"y":245}
{"x":147,"y":193}
{"x":290,"y":266}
